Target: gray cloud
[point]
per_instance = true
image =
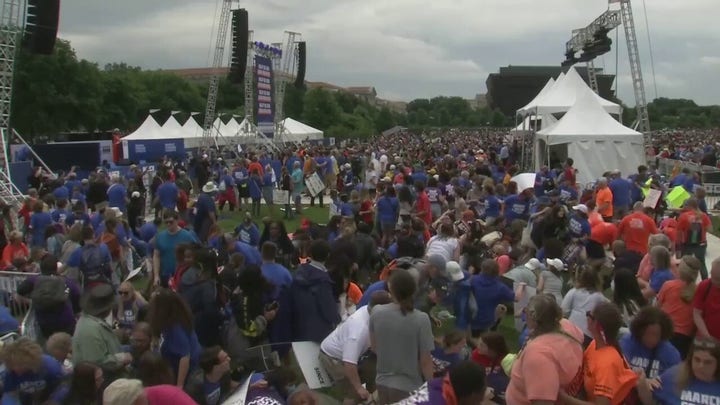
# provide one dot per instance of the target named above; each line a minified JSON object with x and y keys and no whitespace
{"x":407,"y":48}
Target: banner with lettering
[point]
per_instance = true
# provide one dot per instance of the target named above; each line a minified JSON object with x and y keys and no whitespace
{"x":264,"y":96}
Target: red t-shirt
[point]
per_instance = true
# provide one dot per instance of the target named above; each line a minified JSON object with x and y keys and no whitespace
{"x":366,"y":206}
{"x":708,"y":301}
{"x":422,"y":206}
{"x":684,"y":222}
{"x":635,"y":229}
{"x":569,"y":175}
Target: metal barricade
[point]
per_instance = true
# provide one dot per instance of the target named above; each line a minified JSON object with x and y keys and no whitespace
{"x":710,"y":176}
{"x":9,"y":282}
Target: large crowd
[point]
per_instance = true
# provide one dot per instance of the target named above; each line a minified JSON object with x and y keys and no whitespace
{"x":432,"y":265}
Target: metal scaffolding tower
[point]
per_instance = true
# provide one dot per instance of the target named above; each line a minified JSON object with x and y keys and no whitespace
{"x":592,"y":76}
{"x":284,"y":73}
{"x":12,"y":21}
{"x":221,"y":40}
{"x":249,"y":76}
{"x":642,"y":122}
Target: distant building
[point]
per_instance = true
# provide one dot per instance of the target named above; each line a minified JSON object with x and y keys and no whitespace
{"x":199,"y":75}
{"x":367,"y":94}
{"x":480,"y":101}
{"x":515,"y":86}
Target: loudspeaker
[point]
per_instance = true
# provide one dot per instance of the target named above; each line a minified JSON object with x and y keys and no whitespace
{"x":41,"y":26}
{"x":240,"y":38}
{"x":302,"y":56}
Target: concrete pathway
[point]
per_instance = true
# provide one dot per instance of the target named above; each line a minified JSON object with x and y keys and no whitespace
{"x":713,"y":250}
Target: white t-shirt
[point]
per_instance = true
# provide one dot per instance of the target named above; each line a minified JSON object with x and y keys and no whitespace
{"x":350,"y":339}
{"x":442,"y":246}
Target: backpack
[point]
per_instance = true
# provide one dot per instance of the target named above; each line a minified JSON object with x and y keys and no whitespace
{"x":50,"y":293}
{"x":399,"y":263}
{"x":93,"y":266}
{"x":694,"y":232}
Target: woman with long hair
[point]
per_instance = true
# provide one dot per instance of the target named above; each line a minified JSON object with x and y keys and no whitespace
{"x":676,"y":299}
{"x":552,"y":359}
{"x":198,"y":288}
{"x":627,"y":294}
{"x":694,"y":381}
{"x":172,"y":325}
{"x":86,"y":385}
{"x":276,"y":232}
{"x":444,"y":243}
{"x":607,"y":377}
{"x":402,"y":338}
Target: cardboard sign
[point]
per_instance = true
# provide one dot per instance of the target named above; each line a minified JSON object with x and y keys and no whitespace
{"x":677,"y":197}
{"x":281,"y":197}
{"x":314,"y":184}
{"x":306,"y":354}
{"x":652,"y":198}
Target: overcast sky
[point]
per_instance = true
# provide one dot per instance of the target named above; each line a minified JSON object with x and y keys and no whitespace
{"x":409,"y":48}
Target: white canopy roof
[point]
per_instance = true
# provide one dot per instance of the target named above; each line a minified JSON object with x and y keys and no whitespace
{"x":297,"y":131}
{"x":563,"y":95}
{"x":548,"y":86}
{"x":595,"y":140}
{"x":231,"y":129}
{"x":147,"y":130}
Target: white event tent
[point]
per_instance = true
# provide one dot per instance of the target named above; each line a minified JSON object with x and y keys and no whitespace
{"x":593,"y":139}
{"x":528,"y":123}
{"x":563,"y":95}
{"x":296,"y":131}
{"x":149,"y":129}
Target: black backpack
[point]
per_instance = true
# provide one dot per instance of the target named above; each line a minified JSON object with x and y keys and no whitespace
{"x":50,"y":293}
{"x":94,"y":266}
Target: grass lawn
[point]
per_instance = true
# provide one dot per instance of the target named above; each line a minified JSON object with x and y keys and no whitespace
{"x":229,"y":220}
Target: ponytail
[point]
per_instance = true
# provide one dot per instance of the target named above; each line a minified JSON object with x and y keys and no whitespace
{"x":406,"y":306}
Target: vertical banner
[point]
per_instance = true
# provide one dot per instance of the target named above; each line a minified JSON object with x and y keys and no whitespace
{"x":264,"y":97}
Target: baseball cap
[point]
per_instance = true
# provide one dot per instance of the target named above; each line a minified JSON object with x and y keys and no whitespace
{"x":533,"y":264}
{"x":581,"y":207}
{"x":454,"y":271}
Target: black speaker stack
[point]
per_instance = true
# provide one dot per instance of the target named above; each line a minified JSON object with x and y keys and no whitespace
{"x":240,"y":39}
{"x":302,"y":58}
{"x":41,"y":26}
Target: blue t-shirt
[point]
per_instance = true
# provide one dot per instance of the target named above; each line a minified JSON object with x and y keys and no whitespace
{"x":276,"y":274}
{"x":59,"y":216}
{"x":167,"y":193}
{"x":248,"y":233}
{"x":516,"y":208}
{"x":492,"y":207}
{"x":252,"y":255}
{"x":148,"y":230}
{"x":659,"y":277}
{"x":696,"y":393}
{"x":568,"y":194}
{"x":166,"y":243}
{"x":376,"y":286}
{"x":579,"y":227}
{"x":621,"y":192}
{"x":489,"y":293}
{"x":663,"y":357}
{"x":116,"y":194}
{"x":388,"y":209}
{"x":75,"y":258}
{"x":43,"y":383}
{"x":442,"y":361}
{"x":176,"y":343}
{"x":61,"y":193}
{"x":212,"y":392}
{"x":39,"y":222}
{"x":8,"y":323}
{"x":204,"y":206}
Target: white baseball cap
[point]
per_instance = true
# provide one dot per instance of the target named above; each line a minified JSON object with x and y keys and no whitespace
{"x":454,"y":271}
{"x":581,"y":207}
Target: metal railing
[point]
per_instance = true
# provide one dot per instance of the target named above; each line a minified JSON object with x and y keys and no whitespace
{"x":19,"y":306}
{"x":709,"y":175}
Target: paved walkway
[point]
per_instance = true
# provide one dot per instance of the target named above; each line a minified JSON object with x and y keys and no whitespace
{"x":713,"y":250}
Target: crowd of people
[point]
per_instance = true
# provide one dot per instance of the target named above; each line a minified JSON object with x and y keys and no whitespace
{"x":432,"y":266}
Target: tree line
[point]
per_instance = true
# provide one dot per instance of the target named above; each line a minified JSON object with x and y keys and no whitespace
{"x":61,"y":93}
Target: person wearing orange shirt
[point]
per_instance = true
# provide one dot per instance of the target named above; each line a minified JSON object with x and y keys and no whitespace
{"x":15,"y":250}
{"x":608,"y":378}
{"x":676,"y":299}
{"x":604,"y":200}
{"x":692,"y":227}
{"x":635,"y":229}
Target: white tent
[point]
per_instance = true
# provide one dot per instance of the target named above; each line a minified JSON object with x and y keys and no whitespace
{"x":192,"y":133}
{"x":563,"y":96}
{"x":231,"y":129}
{"x":296,"y":131}
{"x":147,"y":130}
{"x":171,"y":129}
{"x":548,"y":86}
{"x":593,"y":139}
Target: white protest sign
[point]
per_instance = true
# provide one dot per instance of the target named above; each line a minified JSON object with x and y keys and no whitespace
{"x":652,"y":198}
{"x":281,"y":197}
{"x":306,"y":354}
{"x":314,"y":184}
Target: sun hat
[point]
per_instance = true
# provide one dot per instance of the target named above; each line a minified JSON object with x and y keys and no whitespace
{"x":209,"y":187}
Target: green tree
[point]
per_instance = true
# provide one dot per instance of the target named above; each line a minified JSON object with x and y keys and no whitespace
{"x":321,"y":109}
{"x":384,"y":120}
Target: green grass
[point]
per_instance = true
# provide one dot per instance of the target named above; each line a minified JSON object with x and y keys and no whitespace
{"x":229,"y":220}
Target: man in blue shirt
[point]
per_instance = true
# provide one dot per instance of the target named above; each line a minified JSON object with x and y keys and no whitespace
{"x":275,"y":273}
{"x":543,"y":181}
{"x":518,"y":206}
{"x":166,"y":242}
{"x":621,"y":192}
{"x":205,"y":211}
{"x":117,"y":194}
{"x":167,"y":194}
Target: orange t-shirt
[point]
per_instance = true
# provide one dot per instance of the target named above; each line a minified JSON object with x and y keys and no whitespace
{"x":679,"y":311}
{"x":635,"y":229}
{"x":12,"y":252}
{"x":548,"y":364}
{"x":354,"y":293}
{"x":594,"y":218}
{"x":604,"y":233}
{"x":607,"y":374}
{"x":604,"y":196}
